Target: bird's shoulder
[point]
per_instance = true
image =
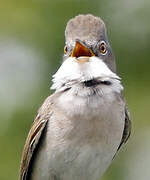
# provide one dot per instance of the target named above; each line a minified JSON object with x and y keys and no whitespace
{"x":34,"y":135}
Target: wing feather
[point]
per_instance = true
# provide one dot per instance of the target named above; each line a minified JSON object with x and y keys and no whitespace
{"x":127,"y":128}
{"x":33,"y":138}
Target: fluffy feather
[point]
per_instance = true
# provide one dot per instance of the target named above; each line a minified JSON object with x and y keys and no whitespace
{"x":72,"y":73}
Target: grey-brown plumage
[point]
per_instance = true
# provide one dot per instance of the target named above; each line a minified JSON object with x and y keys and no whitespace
{"x":81,"y":126}
{"x":85,"y":28}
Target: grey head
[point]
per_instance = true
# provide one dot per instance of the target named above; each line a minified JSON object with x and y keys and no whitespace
{"x":86,"y":36}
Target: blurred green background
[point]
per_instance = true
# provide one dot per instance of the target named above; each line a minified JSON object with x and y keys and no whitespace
{"x":31,"y":48}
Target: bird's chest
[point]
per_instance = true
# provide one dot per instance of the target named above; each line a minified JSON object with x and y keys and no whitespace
{"x":82,"y":138}
{"x":86,"y":120}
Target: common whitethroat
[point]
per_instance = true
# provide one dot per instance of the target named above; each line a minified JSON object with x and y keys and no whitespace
{"x":81,"y":126}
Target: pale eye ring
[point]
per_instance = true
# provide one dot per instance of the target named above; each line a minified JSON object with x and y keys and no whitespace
{"x":65,"y":49}
{"x":103,"y":48}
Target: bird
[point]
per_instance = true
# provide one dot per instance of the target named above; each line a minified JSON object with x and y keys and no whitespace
{"x":80,"y":127}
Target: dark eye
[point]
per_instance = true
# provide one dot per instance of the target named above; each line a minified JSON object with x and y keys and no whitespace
{"x":65,"y":49}
{"x":102,"y":48}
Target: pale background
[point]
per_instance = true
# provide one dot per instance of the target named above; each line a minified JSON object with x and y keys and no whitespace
{"x":31,"y":48}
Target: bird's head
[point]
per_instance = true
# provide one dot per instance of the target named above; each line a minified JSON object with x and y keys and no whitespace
{"x":86,"y":36}
{"x":87,"y":53}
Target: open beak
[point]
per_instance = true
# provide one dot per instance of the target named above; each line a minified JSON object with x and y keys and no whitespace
{"x":81,"y":52}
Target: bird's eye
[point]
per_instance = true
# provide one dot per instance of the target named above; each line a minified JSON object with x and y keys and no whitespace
{"x":65,"y":49}
{"x":102,"y":48}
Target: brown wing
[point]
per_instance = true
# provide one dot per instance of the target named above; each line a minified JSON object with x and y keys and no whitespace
{"x":127,"y":128}
{"x":34,"y":135}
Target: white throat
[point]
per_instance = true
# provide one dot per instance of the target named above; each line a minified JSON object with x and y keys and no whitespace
{"x":73,"y":73}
